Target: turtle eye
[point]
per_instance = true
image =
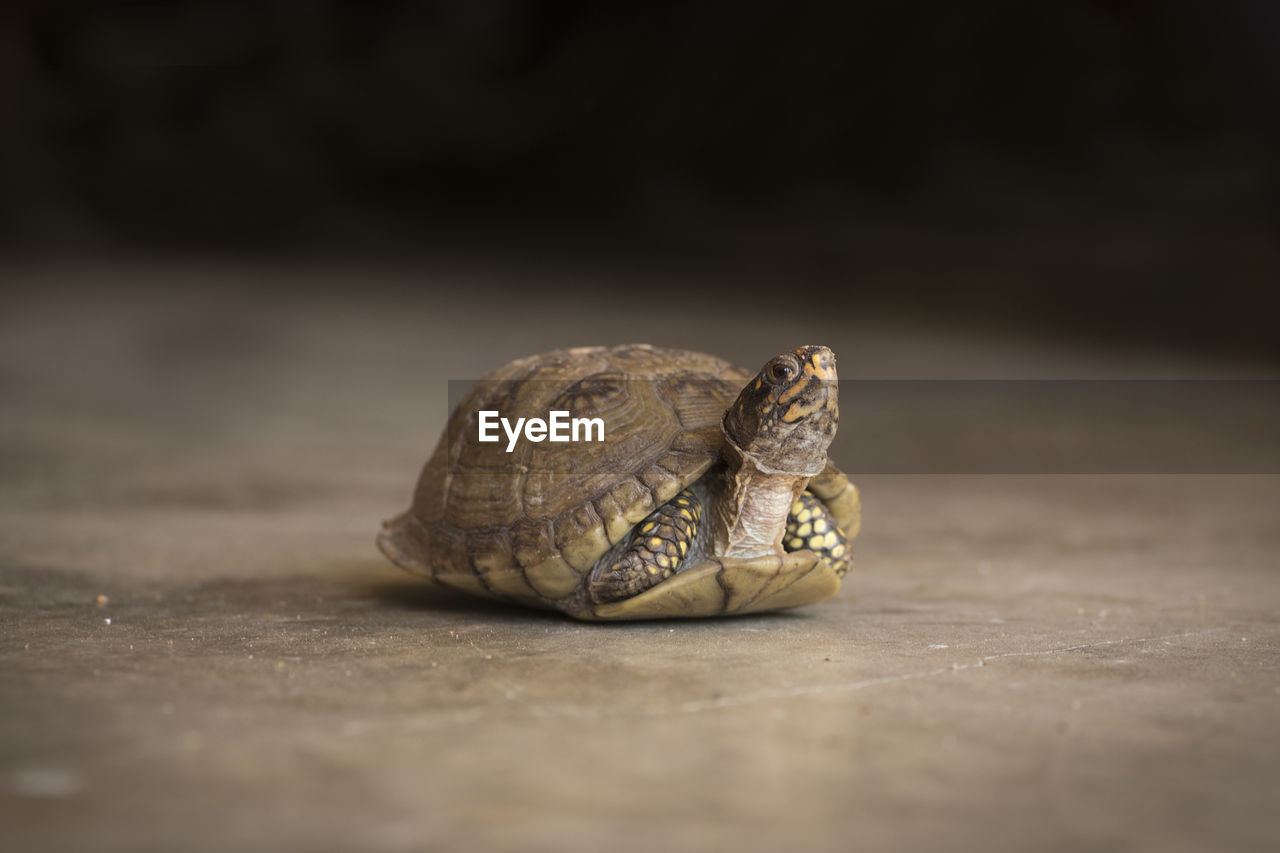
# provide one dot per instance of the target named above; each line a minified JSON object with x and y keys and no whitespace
{"x":782,"y":370}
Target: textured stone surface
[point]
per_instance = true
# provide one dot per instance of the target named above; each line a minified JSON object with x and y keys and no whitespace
{"x":202,"y":650}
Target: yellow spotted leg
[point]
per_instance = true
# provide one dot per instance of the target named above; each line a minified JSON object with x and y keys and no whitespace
{"x":658,"y":547}
{"x":810,"y":526}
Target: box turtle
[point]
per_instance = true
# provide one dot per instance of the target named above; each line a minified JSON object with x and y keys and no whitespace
{"x":709,"y":493}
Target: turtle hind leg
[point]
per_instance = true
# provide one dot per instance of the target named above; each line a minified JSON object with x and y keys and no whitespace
{"x":810,"y":526}
{"x":658,"y":548}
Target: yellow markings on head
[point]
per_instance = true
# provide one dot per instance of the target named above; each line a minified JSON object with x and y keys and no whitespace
{"x":829,"y":540}
{"x":820,"y":525}
{"x":813,"y":369}
{"x":797,"y":507}
{"x":801,"y":382}
{"x":795,"y":544}
{"x":837,"y":551}
{"x":790,"y":394}
{"x":815,"y":542}
{"x":798,"y":411}
{"x":804,"y":515}
{"x":804,"y":529}
{"x":819,"y":371}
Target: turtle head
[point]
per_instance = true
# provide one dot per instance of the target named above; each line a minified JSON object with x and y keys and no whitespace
{"x":786,"y":417}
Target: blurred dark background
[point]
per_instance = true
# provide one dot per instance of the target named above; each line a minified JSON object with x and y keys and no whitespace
{"x":1099,"y":170}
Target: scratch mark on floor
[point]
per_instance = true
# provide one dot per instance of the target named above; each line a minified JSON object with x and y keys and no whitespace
{"x":592,"y":711}
{"x":863,"y":684}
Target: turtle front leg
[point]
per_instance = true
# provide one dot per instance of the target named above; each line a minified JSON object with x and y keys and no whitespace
{"x":810,"y":526}
{"x":658,"y":547}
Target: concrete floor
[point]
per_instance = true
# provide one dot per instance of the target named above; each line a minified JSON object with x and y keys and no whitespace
{"x":202,"y":650}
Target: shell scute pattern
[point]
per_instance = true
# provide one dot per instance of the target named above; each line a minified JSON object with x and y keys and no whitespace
{"x":640,"y":425}
{"x":547,"y":506}
{"x":491,"y":559}
{"x":581,"y":537}
{"x":626,"y":504}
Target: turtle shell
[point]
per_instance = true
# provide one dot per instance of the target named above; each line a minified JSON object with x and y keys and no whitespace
{"x":528,"y":525}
